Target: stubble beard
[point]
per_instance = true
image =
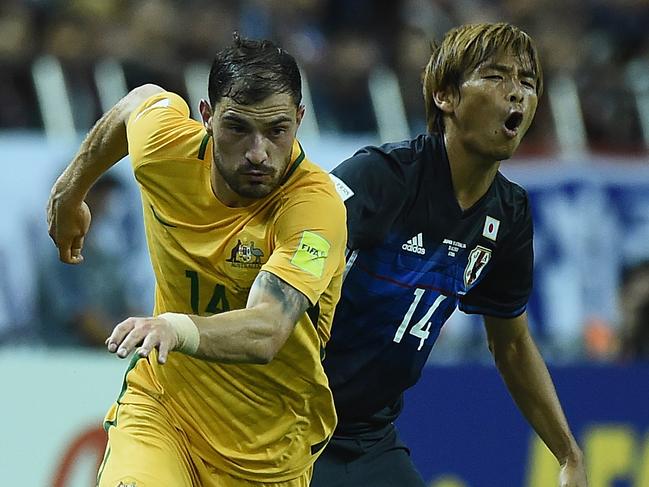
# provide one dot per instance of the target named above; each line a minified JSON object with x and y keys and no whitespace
{"x":250,"y":191}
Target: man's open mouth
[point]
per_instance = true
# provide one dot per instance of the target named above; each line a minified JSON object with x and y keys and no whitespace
{"x":513,"y":121}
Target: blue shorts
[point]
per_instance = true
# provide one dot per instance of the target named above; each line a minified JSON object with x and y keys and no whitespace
{"x":362,"y":461}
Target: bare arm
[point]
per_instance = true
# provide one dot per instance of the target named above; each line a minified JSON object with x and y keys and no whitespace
{"x":68,"y":216}
{"x":257,"y":333}
{"x":528,"y":380}
{"x":251,"y":335}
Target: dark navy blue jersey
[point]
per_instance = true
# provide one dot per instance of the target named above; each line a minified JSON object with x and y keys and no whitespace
{"x":414,"y":257}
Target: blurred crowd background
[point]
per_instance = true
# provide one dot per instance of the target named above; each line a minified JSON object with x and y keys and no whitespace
{"x":597,"y":50}
{"x":64,"y":62}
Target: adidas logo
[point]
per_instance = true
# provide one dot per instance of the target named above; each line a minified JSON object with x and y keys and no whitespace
{"x":415,"y":244}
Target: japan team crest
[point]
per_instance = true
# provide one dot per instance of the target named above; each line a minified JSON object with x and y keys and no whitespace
{"x":478,"y":259}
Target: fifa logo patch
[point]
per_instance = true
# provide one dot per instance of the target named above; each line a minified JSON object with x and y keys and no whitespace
{"x":245,"y":254}
{"x":311,"y":253}
{"x":478,"y":259}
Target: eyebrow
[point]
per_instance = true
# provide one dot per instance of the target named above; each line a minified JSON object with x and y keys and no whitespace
{"x":238,"y":119}
{"x":526,"y":73}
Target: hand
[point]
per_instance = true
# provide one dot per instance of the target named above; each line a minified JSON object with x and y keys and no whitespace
{"x":149,"y":332}
{"x":573,"y":474}
{"x":68,"y":225}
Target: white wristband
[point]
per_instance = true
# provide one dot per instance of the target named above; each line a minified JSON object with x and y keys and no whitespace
{"x":186,"y":332}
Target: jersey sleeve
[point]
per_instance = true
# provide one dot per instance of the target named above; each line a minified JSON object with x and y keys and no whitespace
{"x":373,"y":186}
{"x":505,"y":290}
{"x":310,"y":240}
{"x":153,"y":126}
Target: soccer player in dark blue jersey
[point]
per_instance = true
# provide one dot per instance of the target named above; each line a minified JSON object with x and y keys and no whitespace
{"x":433,"y":226}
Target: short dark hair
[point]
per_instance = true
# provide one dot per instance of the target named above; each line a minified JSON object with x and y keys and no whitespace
{"x":250,"y":71}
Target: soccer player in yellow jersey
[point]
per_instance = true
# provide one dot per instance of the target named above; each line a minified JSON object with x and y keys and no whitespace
{"x":246,"y":238}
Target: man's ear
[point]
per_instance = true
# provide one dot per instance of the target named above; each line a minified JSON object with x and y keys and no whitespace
{"x":300,"y":114}
{"x":206,"y":114}
{"x":446,"y":100}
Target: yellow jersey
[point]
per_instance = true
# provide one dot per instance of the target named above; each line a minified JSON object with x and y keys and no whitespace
{"x":258,"y":422}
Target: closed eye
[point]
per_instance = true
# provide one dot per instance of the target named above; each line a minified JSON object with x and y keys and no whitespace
{"x":494,"y":77}
{"x":279,"y":130}
{"x":237,"y":129}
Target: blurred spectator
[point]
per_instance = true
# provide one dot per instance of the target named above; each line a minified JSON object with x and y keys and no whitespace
{"x":155,"y":29}
{"x":211,"y":27}
{"x":17,"y":48}
{"x":410,"y":58}
{"x":17,"y":263}
{"x":340,"y":90}
{"x":16,"y":316}
{"x":79,"y":305}
{"x":70,"y":39}
{"x":634,"y":297}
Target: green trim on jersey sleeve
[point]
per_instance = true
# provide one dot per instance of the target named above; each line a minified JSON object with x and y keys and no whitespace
{"x":155,"y":215}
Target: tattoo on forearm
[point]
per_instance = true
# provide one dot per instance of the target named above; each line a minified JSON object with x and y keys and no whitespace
{"x":294,"y":303}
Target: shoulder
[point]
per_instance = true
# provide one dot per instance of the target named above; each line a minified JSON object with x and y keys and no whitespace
{"x":386,"y":171}
{"x":163,"y":113}
{"x":309,"y":201}
{"x":159,"y":104}
{"x":312,"y":186}
{"x":398,"y":158}
{"x":161,"y":127}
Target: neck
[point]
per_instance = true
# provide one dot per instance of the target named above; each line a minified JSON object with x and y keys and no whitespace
{"x":471,"y":174}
